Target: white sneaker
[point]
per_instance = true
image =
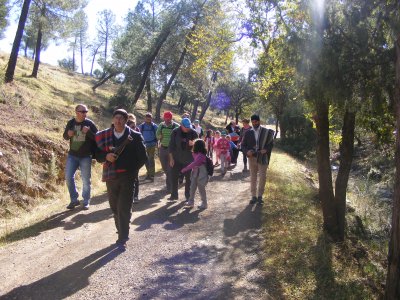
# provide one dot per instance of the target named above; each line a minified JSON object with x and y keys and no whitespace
{"x":189,"y":204}
{"x":202,"y":206}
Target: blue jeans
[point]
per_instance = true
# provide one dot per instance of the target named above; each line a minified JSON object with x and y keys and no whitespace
{"x":85,"y":165}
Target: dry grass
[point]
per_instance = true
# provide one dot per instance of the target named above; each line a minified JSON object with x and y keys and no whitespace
{"x":301,"y":263}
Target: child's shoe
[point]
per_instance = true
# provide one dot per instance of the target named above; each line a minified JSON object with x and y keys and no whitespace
{"x":189,"y":204}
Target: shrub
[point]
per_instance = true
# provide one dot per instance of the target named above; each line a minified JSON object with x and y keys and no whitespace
{"x":300,"y":136}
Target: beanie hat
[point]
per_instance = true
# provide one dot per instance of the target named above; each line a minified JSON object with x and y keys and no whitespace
{"x":168,"y":115}
{"x":121,"y":112}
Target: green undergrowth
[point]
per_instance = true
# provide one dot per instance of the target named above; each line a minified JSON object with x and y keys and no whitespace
{"x":301,"y":262}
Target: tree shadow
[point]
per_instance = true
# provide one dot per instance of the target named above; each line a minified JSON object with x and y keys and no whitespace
{"x":67,"y":281}
{"x":250,"y":218}
{"x":181,"y":279}
{"x":57,"y":220}
{"x":158,"y":216}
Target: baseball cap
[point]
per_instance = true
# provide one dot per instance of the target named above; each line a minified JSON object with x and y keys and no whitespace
{"x":255,"y":118}
{"x":186,"y":123}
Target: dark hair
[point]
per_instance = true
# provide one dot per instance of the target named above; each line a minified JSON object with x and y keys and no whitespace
{"x":208,"y":133}
{"x":199,"y":146}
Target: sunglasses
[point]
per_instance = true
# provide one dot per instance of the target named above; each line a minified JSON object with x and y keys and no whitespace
{"x":82,"y":111}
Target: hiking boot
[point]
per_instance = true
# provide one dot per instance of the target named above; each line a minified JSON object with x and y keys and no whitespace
{"x":253,"y":200}
{"x":121,"y":245}
{"x":172,"y":198}
{"x":73,"y":204}
{"x":260,"y":200}
{"x":85,"y":207}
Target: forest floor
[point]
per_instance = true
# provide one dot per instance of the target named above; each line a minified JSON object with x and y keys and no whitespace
{"x":232,"y":250}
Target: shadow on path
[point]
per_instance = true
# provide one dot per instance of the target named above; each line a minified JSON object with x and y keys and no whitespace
{"x":57,"y":220}
{"x":67,"y":281}
{"x":181,"y":278}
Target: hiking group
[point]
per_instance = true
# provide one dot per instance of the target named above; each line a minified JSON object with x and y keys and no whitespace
{"x":185,"y":151}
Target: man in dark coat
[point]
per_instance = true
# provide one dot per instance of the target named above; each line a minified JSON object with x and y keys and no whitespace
{"x":257,"y":145}
{"x":123,"y":152}
{"x":180,"y":155}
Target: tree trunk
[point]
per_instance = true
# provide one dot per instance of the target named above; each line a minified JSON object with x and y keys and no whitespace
{"x":94,"y":58}
{"x":73,"y":56}
{"x":277,"y":128}
{"x":171,"y":79}
{"x":392,"y":280}
{"x":195,"y":108}
{"x":102,"y":81}
{"x":149,"y":63}
{"x":324,"y":169}
{"x":149,"y":97}
{"x":12,"y":62}
{"x":206,"y":104}
{"x":37,"y":56}
{"x":182,"y":103}
{"x":81,"y":46}
{"x":346,"y":158}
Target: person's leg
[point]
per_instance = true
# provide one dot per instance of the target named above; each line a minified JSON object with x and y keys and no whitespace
{"x":244,"y":162}
{"x":174,"y":181}
{"x":193,"y":188}
{"x":71,"y":166}
{"x":112,"y":192}
{"x":151,"y":163}
{"x":85,"y":165}
{"x":201,"y":184}
{"x":187,"y":184}
{"x":253,"y":178}
{"x":262,"y":170}
{"x":124,"y":206}
{"x":164,"y":160}
{"x":222,"y":158}
{"x":136,"y":188}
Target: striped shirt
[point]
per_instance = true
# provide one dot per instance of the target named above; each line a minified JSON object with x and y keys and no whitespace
{"x":164,"y":132}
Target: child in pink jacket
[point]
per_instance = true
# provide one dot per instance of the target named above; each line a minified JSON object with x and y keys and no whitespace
{"x":223,"y":146}
{"x":199,"y":175}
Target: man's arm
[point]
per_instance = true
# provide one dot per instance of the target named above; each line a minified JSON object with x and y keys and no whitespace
{"x":69,"y":132}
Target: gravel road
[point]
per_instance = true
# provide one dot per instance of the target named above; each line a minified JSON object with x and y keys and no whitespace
{"x":173,"y":253}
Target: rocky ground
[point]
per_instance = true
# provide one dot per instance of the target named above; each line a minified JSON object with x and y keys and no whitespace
{"x":173,"y":253}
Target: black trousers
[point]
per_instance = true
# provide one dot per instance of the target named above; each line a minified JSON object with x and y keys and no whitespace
{"x":175,"y":177}
{"x":120,"y":192}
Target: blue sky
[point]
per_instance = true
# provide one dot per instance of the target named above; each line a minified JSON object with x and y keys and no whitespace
{"x":58,"y":52}
{"x":54,"y":52}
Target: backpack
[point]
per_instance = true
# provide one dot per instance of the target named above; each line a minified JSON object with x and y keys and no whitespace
{"x":209,"y":166}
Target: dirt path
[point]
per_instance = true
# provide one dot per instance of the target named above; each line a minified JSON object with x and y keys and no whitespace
{"x":173,"y":253}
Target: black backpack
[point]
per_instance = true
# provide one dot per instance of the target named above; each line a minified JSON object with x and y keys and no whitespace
{"x":209,"y":166}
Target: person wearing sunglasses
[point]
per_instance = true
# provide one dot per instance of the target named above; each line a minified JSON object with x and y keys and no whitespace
{"x":80,"y":132}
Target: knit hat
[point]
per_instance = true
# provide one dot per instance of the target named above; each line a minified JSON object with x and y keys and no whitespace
{"x":121,"y":112}
{"x":168,"y":115}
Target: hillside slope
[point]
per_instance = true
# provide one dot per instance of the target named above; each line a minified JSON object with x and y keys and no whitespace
{"x":33,"y":116}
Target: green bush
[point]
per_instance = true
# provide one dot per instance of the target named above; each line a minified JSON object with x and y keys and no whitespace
{"x":121,"y":99}
{"x":300,"y":138}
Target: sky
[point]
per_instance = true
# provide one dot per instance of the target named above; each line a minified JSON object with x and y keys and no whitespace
{"x":58,"y":52}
